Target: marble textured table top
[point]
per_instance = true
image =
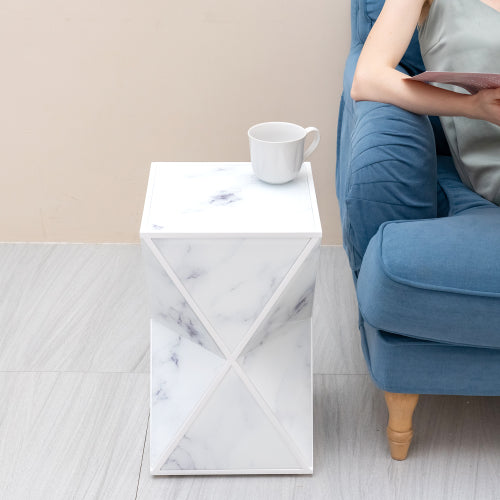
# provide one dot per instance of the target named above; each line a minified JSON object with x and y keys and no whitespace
{"x":220,"y":198}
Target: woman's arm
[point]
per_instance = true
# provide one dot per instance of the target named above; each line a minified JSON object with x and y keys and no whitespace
{"x":376,"y":79}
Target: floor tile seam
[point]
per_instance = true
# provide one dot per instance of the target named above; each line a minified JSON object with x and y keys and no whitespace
{"x":61,"y":243}
{"x":147,"y":372}
{"x":142,"y":458}
{"x":77,"y":371}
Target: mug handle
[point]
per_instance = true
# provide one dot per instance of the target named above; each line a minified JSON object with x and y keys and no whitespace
{"x":314,"y":143}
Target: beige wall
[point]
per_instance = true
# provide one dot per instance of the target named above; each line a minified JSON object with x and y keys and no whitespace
{"x":92,"y":92}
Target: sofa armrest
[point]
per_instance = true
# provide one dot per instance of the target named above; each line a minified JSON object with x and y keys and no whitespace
{"x":386,"y":166}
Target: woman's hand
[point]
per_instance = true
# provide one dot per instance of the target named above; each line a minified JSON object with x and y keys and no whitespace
{"x":486,"y":105}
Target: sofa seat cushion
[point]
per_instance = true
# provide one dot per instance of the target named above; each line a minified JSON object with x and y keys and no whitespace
{"x":436,"y":279}
{"x":403,"y":364}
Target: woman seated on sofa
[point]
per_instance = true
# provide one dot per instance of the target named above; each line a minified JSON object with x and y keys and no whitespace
{"x":454,"y":35}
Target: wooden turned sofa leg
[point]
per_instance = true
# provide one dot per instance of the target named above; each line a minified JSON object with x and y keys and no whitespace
{"x":399,"y":428}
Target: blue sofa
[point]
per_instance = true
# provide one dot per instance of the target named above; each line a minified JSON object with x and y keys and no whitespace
{"x":424,"y":250}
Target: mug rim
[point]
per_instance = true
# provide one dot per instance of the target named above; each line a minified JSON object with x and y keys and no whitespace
{"x":274,"y":123}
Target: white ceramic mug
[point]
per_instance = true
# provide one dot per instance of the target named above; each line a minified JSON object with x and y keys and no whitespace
{"x":277,"y":150}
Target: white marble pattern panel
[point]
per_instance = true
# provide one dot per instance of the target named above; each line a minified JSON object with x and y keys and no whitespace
{"x":232,"y":432}
{"x":182,"y":373}
{"x":169,"y":306}
{"x":231,"y":279}
{"x":198,"y":198}
{"x":280,"y":369}
{"x":294,"y":304}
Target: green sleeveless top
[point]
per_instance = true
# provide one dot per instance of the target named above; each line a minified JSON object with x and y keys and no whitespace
{"x":464,"y":36}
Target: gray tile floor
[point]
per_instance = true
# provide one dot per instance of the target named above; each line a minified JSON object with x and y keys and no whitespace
{"x":74,"y":396}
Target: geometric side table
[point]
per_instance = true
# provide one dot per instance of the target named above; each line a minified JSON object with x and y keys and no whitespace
{"x":231,"y":264}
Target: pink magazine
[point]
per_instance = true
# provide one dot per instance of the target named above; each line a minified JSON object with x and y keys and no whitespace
{"x":472,"y":82}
